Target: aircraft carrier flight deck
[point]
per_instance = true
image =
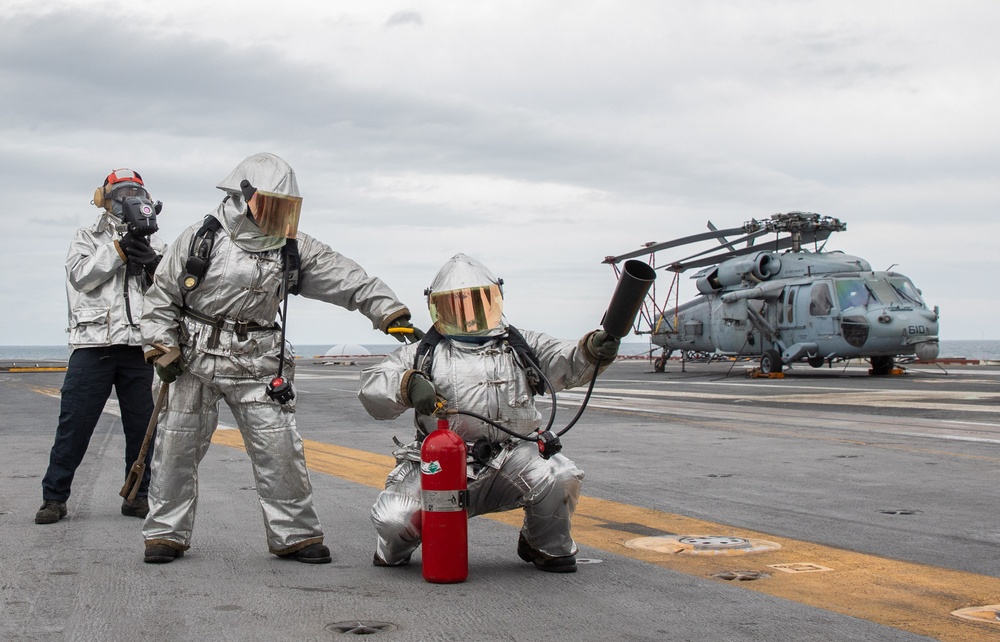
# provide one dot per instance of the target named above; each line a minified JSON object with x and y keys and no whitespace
{"x":827,"y":505}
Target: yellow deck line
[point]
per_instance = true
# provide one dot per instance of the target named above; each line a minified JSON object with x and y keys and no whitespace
{"x":912,"y":597}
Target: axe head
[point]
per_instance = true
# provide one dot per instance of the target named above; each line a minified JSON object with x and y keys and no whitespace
{"x":133,"y":481}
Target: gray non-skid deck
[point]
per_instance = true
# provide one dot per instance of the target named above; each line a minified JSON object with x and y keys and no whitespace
{"x":899,"y":468}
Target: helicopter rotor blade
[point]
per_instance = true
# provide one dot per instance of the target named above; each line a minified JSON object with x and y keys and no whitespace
{"x":734,"y":251}
{"x":656,"y":247}
{"x":722,"y":240}
{"x":769,"y":246}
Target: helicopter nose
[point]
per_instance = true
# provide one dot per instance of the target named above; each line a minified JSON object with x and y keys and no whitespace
{"x":913,"y":325}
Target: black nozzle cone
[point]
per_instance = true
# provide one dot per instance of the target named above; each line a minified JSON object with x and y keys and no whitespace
{"x":637,"y":277}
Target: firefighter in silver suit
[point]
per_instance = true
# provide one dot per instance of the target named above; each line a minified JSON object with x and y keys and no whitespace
{"x":109,"y":267}
{"x":479,"y":364}
{"x":215,"y":297}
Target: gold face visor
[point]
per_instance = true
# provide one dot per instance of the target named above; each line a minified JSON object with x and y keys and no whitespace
{"x":468,"y":311}
{"x":277,"y":214}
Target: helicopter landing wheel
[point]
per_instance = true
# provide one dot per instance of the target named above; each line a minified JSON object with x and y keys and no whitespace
{"x":817,"y":361}
{"x":660,"y":364}
{"x":882,"y":366}
{"x":770,"y":362}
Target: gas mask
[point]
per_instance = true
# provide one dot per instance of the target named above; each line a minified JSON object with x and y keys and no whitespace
{"x":119,"y":185}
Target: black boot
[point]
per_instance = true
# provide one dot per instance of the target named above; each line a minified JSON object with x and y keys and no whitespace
{"x":313,"y":554}
{"x":50,"y":512}
{"x":138,"y":507}
{"x":161,"y":554}
{"x":564,"y":564}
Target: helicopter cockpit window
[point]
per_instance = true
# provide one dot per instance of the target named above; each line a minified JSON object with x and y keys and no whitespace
{"x":853,"y":293}
{"x":906,"y":291}
{"x":821,"y":300}
{"x":790,"y":307}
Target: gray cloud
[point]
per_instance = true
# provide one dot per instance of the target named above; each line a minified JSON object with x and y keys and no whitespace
{"x":404,"y":18}
{"x":203,"y":89}
{"x":646,"y":120}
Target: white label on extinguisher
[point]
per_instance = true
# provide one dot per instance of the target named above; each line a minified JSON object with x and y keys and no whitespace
{"x":430,"y":467}
{"x":443,"y":501}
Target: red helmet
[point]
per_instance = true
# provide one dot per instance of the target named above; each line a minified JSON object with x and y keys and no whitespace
{"x":119,"y":184}
{"x":123,"y":174}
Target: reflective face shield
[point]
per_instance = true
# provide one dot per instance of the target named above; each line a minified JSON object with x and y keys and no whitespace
{"x":277,"y":214}
{"x":469,"y":311}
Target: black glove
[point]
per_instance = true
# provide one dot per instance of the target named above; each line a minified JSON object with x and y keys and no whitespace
{"x":404,"y":331}
{"x":169,"y":372}
{"x":423,"y":396}
{"x":166,"y":361}
{"x":139,"y":251}
{"x":603,"y":346}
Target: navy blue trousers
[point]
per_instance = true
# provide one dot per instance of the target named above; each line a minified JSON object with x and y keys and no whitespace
{"x":90,"y":375}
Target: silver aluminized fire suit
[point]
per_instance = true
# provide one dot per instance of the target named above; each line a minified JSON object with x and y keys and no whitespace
{"x":235,"y":364}
{"x":489,"y":380}
{"x":105,"y":303}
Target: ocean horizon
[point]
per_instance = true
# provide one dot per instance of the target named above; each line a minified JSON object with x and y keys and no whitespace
{"x":987,"y":350}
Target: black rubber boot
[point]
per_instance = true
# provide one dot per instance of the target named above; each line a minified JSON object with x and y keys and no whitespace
{"x":312,"y":554}
{"x":565,"y":564}
{"x":50,"y":512}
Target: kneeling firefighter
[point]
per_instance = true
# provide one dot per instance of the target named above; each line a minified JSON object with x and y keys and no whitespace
{"x":216,"y":297}
{"x":475,"y":362}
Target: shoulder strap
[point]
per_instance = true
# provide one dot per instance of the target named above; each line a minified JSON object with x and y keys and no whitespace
{"x":425,"y":351}
{"x":200,"y":253}
{"x":516,"y":341}
{"x":424,"y":356}
{"x":292,"y":262}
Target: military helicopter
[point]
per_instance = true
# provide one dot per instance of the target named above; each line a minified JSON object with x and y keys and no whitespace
{"x":784,"y":303}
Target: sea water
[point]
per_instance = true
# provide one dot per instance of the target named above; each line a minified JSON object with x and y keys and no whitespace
{"x":960,"y":349}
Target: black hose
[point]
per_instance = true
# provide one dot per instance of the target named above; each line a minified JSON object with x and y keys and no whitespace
{"x":492,"y":423}
{"x":283,"y":313}
{"x":586,"y":398}
{"x":552,"y":414}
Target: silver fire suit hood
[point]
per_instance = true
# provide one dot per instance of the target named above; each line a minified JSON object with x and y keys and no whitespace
{"x":267,"y":173}
{"x":466,"y":299}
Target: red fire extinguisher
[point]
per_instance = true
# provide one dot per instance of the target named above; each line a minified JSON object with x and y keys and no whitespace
{"x":445,"y":530}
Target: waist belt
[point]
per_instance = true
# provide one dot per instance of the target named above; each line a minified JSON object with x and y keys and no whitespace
{"x":220,"y":323}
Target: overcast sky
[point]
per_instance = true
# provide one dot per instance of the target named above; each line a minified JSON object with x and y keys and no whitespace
{"x":538,"y":137}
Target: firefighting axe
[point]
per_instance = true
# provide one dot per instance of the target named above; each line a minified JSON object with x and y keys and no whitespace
{"x":138,"y":470}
